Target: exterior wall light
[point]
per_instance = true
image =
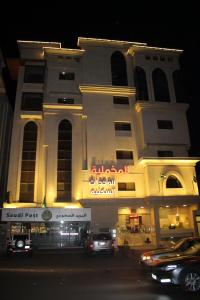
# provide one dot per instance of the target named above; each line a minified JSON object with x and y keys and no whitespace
{"x":163,"y":176}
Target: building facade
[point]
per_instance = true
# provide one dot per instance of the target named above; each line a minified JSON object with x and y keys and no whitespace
{"x":6,"y":115}
{"x":104,"y":127}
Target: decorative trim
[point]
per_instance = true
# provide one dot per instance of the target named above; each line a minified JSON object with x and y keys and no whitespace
{"x":107,"y":89}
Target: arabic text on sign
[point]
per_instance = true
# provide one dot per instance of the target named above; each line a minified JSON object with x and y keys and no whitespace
{"x":112,"y":170}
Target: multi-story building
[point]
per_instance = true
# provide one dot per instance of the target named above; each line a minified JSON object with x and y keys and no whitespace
{"x":102,"y":128}
{"x":6,"y":115}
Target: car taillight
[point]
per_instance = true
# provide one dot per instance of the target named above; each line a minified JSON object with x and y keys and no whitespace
{"x":91,"y":245}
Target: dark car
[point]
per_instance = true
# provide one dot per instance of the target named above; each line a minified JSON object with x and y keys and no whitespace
{"x":99,"y":242}
{"x":183,"y":269}
{"x":19,"y":243}
{"x":148,"y":258}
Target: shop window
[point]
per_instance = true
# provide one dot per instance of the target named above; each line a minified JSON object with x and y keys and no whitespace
{"x":126,"y":186}
{"x":27,"y":178}
{"x":123,"y":154}
{"x":64,"y":165}
{"x":173,"y":182}
{"x":118,"y":69}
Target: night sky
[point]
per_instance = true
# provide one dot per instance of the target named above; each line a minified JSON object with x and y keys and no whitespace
{"x":158,"y":24}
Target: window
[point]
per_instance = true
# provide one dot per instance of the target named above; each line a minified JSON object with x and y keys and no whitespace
{"x":34,"y":74}
{"x":66,"y":76}
{"x":121,"y":100}
{"x":165,"y":153}
{"x":66,"y":100}
{"x":141,"y":84}
{"x":118,"y":69}
{"x":179,"y":86}
{"x":160,"y":84}
{"x":123,"y":154}
{"x":64,"y":165}
{"x":126,"y":186}
{"x":27,"y":179}
{"x":32,"y":101}
{"x":122,"y":126}
{"x":173,"y":182}
{"x":164,"y":124}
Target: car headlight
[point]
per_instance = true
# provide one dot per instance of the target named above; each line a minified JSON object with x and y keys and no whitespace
{"x":170,"y":267}
{"x":146,"y":257}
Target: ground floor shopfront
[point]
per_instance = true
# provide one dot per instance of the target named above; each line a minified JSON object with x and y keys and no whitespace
{"x":154,"y":221}
{"x":49,"y":227}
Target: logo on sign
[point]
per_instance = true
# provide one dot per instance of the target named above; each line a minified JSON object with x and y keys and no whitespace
{"x":46,"y":215}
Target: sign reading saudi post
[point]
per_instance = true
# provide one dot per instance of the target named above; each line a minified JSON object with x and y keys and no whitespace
{"x":46,"y":214}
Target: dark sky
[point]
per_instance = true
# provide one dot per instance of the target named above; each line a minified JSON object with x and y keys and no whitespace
{"x":159,"y":24}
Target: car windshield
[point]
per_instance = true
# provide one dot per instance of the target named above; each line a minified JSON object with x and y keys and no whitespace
{"x":193,"y":250}
{"x":101,"y":236}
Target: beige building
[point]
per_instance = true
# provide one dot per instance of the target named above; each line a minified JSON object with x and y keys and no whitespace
{"x":104,"y":127}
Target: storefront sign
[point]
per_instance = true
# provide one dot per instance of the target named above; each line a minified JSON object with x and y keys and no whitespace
{"x":46,"y":214}
{"x":113,"y":170}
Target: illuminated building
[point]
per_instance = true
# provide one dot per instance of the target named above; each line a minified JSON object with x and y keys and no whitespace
{"x":6,"y":115}
{"x":104,"y":127}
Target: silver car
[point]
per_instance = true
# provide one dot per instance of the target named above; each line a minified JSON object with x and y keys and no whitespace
{"x":99,"y":242}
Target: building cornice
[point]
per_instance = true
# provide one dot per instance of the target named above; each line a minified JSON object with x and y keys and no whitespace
{"x":105,"y":42}
{"x":63,"y":51}
{"x":158,"y":161}
{"x":62,"y":106}
{"x":144,"y":48}
{"x":165,"y":106}
{"x":107,"y":89}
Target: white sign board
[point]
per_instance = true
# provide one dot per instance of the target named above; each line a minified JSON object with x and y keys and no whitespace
{"x":46,"y":214}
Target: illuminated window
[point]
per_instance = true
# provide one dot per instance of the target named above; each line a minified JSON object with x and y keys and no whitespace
{"x":64,"y":166}
{"x":66,"y":76}
{"x":173,"y":182}
{"x":125,"y":126}
{"x":123,"y":154}
{"x":66,"y":100}
{"x":34,"y":74}
{"x":141,"y":84}
{"x":118,"y":69}
{"x":126,"y":186}
{"x":27,"y":179}
{"x":165,"y":153}
{"x":164,"y":124}
{"x":160,"y":84}
{"x":32,"y":101}
{"x":121,"y":100}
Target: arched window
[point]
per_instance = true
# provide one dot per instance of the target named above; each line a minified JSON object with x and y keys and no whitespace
{"x":64,"y":169}
{"x":141,"y":84}
{"x":27,"y":179}
{"x":179,"y":86}
{"x":161,"y":90}
{"x":118,"y":69}
{"x":173,"y":182}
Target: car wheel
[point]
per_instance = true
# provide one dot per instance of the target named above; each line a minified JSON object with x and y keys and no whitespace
{"x":191,"y":281}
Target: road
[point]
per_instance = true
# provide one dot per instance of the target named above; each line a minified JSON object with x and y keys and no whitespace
{"x":56,"y":275}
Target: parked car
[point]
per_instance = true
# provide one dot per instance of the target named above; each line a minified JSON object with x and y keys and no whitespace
{"x":99,"y":242}
{"x":19,"y":243}
{"x":183,"y":270}
{"x":148,"y":258}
